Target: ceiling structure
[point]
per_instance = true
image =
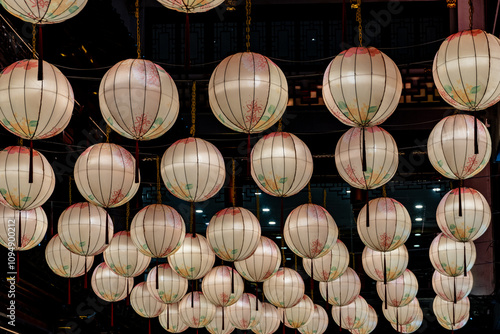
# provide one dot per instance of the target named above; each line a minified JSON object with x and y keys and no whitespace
{"x":301,"y":37}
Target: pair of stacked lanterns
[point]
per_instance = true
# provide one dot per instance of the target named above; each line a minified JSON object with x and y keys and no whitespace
{"x":366,"y":157}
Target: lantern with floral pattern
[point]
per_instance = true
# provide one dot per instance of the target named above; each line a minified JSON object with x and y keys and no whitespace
{"x":33,"y":228}
{"x":399,"y":292}
{"x":318,"y":322}
{"x":246,"y":312}
{"x":454,"y":288}
{"x":222,"y":286}
{"x":412,"y":326}
{"x":194,"y":258}
{"x":262,"y":264}
{"x":195,"y":310}
{"x":298,"y":315}
{"x":44,"y":12}
{"x":170,"y":319}
{"x":143,"y":303}
{"x":109,"y":286}
{"x":123,"y":257}
{"x":370,"y":323}
{"x":450,"y":313}
{"x":395,"y":263}
{"x":450,"y":257}
{"x":330,"y":266}
{"x":351,"y":316}
{"x":285,"y":288}
{"x":269,"y":320}
{"x":220,"y":324}
{"x":64,"y":263}
{"x":402,"y":315}
{"x":342,"y":290}
{"x":165,"y":284}
{"x":190,"y":6}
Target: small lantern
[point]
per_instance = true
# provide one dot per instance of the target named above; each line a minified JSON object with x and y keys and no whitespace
{"x":399,"y":292}
{"x":262,"y":264}
{"x":318,"y":323}
{"x":222,"y":286}
{"x":195,"y":310}
{"x":190,"y":6}
{"x":452,"y":258}
{"x":123,"y":257}
{"x":370,"y":323}
{"x":269,"y":320}
{"x":109,"y":286}
{"x":330,"y":266}
{"x":395,"y":263}
{"x":165,"y":284}
{"x":44,"y":12}
{"x":194,"y":258}
{"x":402,"y":315}
{"x":170,"y":319}
{"x":33,"y":228}
{"x":298,"y":315}
{"x":246,"y":312}
{"x":143,"y":303}
{"x":351,"y":316}
{"x":220,"y":323}
{"x":451,"y":313}
{"x":285,"y":288}
{"x":343,"y":290}
{"x":452,"y":289}
{"x":412,"y":326}
{"x":64,"y":263}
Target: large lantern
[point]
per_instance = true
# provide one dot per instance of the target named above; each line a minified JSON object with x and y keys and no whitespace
{"x":193,"y":169}
{"x":465,"y":70}
{"x":298,"y":315}
{"x":157,"y":230}
{"x":194,"y":258}
{"x":465,"y":216}
{"x":390,"y":224}
{"x":82,"y":228}
{"x":281,"y":164}
{"x":109,"y":286}
{"x":329,"y":266}
{"x":64,"y":263}
{"x":16,"y":191}
{"x":451,"y":313}
{"x":399,"y":292}
{"x":269,"y":320}
{"x":220,"y":324}
{"x":222,"y":286}
{"x":450,"y":257}
{"x":362,"y":86}
{"x":449,"y":326}
{"x":143,"y":303}
{"x":395,"y":263}
{"x":318,"y":322}
{"x":248,"y":92}
{"x":402,"y":315}
{"x":343,"y":290}
{"x":165,"y":284}
{"x":190,"y":6}
{"x":285,"y":288}
{"x":412,"y":326}
{"x":351,"y":316}
{"x":44,"y":12}
{"x":26,"y":235}
{"x":452,"y":289}
{"x":233,"y":233}
{"x":170,"y":319}
{"x":246,"y":312}
{"x":381,"y":157}
{"x":262,"y":264}
{"x":104,"y":175}
{"x":195,"y":310}
{"x":123,"y":257}
{"x":369,"y":324}
{"x":450,"y":147}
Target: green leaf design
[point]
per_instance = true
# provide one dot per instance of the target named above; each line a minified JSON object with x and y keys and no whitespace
{"x":73,"y":9}
{"x":145,"y":246}
{"x":475,"y":89}
{"x":192,"y":269}
{"x":110,"y":120}
{"x":128,"y":266}
{"x":189,"y":186}
{"x":472,"y":229}
{"x":372,"y":109}
{"x":271,"y":110}
{"x":448,"y":89}
{"x":3,"y":191}
{"x":82,"y":243}
{"x":234,"y":251}
{"x":260,"y":177}
{"x":5,"y":121}
{"x":264,"y":118}
{"x":222,"y":118}
{"x":158,"y":121}
{"x":33,"y":123}
{"x":444,"y":265}
{"x":25,"y":199}
{"x":453,"y":226}
{"x":342,"y":105}
{"x":65,"y":267}
{"x":283,"y":180}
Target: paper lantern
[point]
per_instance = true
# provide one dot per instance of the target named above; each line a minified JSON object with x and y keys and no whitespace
{"x":399,"y":292}
{"x":298,"y":315}
{"x":465,"y":70}
{"x":343,"y":290}
{"x":262,"y":264}
{"x":44,"y":12}
{"x":194,"y":258}
{"x":330,"y":266}
{"x":193,"y":169}
{"x":246,"y":312}
{"x":369,"y":324}
{"x":465,"y":216}
{"x":123,"y":257}
{"x":412,"y":326}
{"x":32,"y":108}
{"x":362,"y":86}
{"x":165,"y":284}
{"x":157,"y":230}
{"x":381,"y":157}
{"x":233,"y":233}
{"x":452,"y":258}
{"x":143,"y":303}
{"x":222,"y":286}
{"x":318,"y":322}
{"x":454,"y":327}
{"x":109,"y":286}
{"x":452,"y":288}
{"x":310,"y":231}
{"x":16,"y":191}
{"x":450,"y":313}
{"x":402,"y":315}
{"x":395,"y":263}
{"x":104,"y":175}
{"x":32,"y":228}
{"x":269,"y":320}
{"x":138,"y":99}
{"x":390,"y":224}
{"x":281,"y":164}
{"x":82,"y":228}
{"x":248,"y":92}
{"x":285,"y":288}
{"x":64,"y":263}
{"x":195,"y":310}
{"x":351,"y":316}
{"x":170,"y":319}
{"x":220,"y":323}
{"x":190,"y":6}
{"x":450,"y":147}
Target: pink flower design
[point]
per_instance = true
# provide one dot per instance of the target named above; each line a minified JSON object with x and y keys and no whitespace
{"x":146,"y":71}
{"x":253,"y":111}
{"x":360,"y":50}
{"x":379,"y":273}
{"x":224,"y":298}
{"x":316,"y":247}
{"x":254,"y":62}
{"x":280,"y":273}
{"x":385,"y":240}
{"x":325,"y":275}
{"x":228,"y":211}
{"x":116,"y":197}
{"x":39,"y":3}
{"x":471,"y":165}
{"x":474,"y":32}
{"x":277,"y":134}
{"x":141,"y":125}
{"x":244,"y":323}
{"x":26,"y":64}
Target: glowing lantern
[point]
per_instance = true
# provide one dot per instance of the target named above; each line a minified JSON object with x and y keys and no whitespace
{"x":82,"y":228}
{"x":381,"y":157}
{"x":32,"y":229}
{"x":452,"y":258}
{"x":351,"y":316}
{"x":246,"y":312}
{"x":450,"y":147}
{"x":281,"y":164}
{"x":109,"y":286}
{"x":452,"y":289}
{"x":44,"y":12}
{"x":395,"y":263}
{"x":143,"y":303}
{"x":16,"y":191}
{"x":466,"y":220}
{"x":104,"y":175}
{"x":402,"y":315}
{"x":390,"y":224}
{"x":123,"y":257}
{"x":64,"y":263}
{"x":330,"y":266}
{"x":222,"y":286}
{"x":399,"y":292}
{"x":465,"y":70}
{"x":343,"y":290}
{"x":451,"y":313}
{"x":190,"y":6}
{"x":454,"y":327}
{"x":165,"y":284}
{"x":248,"y":92}
{"x":195,"y":310}
{"x":269,"y":320}
{"x":170,"y":319}
{"x":193,"y":169}
{"x":369,"y":324}
{"x":194,"y":258}
{"x":298,"y":315}
{"x":157,"y":230}
{"x":220,"y":323}
{"x":262,"y":264}
{"x":318,"y":322}
{"x":233,"y":234}
{"x":412,"y":326}
{"x":285,"y":288}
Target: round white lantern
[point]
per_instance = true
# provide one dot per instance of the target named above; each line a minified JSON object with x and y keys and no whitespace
{"x":454,"y":288}
{"x":246,"y":312}
{"x":170,"y":319}
{"x":412,"y":326}
{"x":343,"y":290}
{"x":351,"y":316}
{"x":195,"y":310}
{"x":109,"y":286}
{"x":194,"y":258}
{"x":64,"y":263}
{"x":143,"y":303}
{"x":33,"y":227}
{"x":318,"y":322}
{"x":262,"y":264}
{"x":123,"y":257}
{"x":399,"y":292}
{"x":222,"y":286}
{"x":220,"y":324}
{"x":395,"y":263}
{"x":269,"y":320}
{"x":285,"y":288}
{"x":44,"y":12}
{"x":451,"y":313}
{"x":329,"y":266}
{"x":450,"y":257}
{"x":190,"y":6}
{"x":402,"y":315}
{"x":298,"y":315}
{"x":165,"y":284}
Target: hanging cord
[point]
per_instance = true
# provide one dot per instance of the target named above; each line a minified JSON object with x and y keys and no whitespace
{"x":282,"y":226}
{"x":324,"y":198}
{"x":192,"y":131}
{"x":460,"y":199}
{"x":33,"y":41}
{"x":40,"y":53}
{"x":187,"y":43}
{"x":127,"y":216}
{"x":280,"y":125}
{"x":158,"y":183}
{"x":249,"y":20}
{"x":233,"y":180}
{"x":471,"y":13}
{"x":358,"y":19}
{"x":257,"y":206}
{"x":384,"y":191}
{"x":108,"y":131}
{"x":70,"y":180}
{"x":309,"y":194}
{"x":138,"y":29}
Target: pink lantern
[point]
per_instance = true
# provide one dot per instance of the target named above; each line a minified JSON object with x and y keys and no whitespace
{"x":32,"y":229}
{"x":330,"y":266}
{"x":412,"y":326}
{"x":452,"y":289}
{"x":452,"y":258}
{"x":369,"y":324}
{"x":195,"y":310}
{"x":248,"y":92}
{"x":269,"y":320}
{"x":194,"y":258}
{"x":220,"y":323}
{"x":222,"y":286}
{"x":123,"y":257}
{"x":170,"y":319}
{"x":390,"y":224}
{"x":193,"y":169}
{"x":399,"y":292}
{"x":165,"y":284}
{"x":285,"y":288}
{"x":402,"y":315}
{"x":82,"y":228}
{"x":395,"y":263}
{"x":262,"y":264}
{"x":143,"y":303}
{"x":298,"y":315}
{"x":109,"y":286}
{"x":351,"y":316}
{"x":190,"y":6}
{"x":281,"y":164}
{"x":318,"y":322}
{"x":343,"y":290}
{"x":465,"y":216}
{"x":233,"y":234}
{"x":246,"y":312}
{"x":44,"y":12}
{"x":450,"y":313}
{"x":64,"y":263}
{"x":157,"y":230}
{"x":381,"y":157}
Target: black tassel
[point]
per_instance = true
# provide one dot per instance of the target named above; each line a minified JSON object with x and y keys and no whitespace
{"x":40,"y":53}
{"x":367,"y":200}
{"x":136,"y":161}
{"x":460,"y":203}
{"x":476,"y":146}
{"x":363,"y":162}
{"x":157,"y":274}
{"x":20,"y":234}
{"x":106,"y":233}
{"x":465,"y":261}
{"x":30,"y":172}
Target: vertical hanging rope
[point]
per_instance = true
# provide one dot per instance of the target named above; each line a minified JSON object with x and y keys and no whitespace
{"x":257,"y":206}
{"x":85,"y":275}
{"x":223,"y":319}
{"x":460,"y":199}
{"x":30,"y":172}
{"x":476,"y":145}
{"x":128,"y":293}
{"x":280,"y":125}
{"x":192,"y":131}
{"x":233,"y":182}
{"x":384,"y":191}
{"x":137,"y":161}
{"x":168,"y":316}
{"x":108,"y":131}
{"x":249,"y":151}
{"x":149,"y":325}
{"x":324,"y":198}
{"x":471,"y":13}
{"x":312,"y":280}
{"x":20,"y":234}
{"x":282,"y":226}
{"x":157,"y":285}
{"x":327,"y":305}
{"x":191,"y":220}
{"x":454,"y":290}
{"x":465,"y":261}
{"x":127,"y":216}
{"x":158,"y":181}
{"x":69,"y":291}
{"x":309,"y":194}
{"x":358,"y":19}
{"x":70,"y":181}
{"x":385,"y":281}
{"x":232,"y":277}
{"x":18,"y":260}
{"x":363,"y":149}
{"x":256,"y":296}
{"x":367,"y":200}
{"x":112,"y":322}
{"x":40,"y":53}
{"x":248,"y":9}
{"x":343,"y":23}
{"x":138,"y":27}
{"x":187,"y":42}
{"x":192,"y":293}
{"x":51,"y":218}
